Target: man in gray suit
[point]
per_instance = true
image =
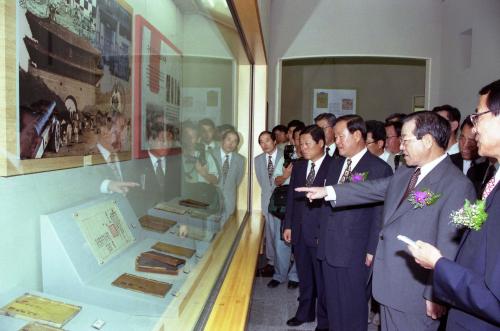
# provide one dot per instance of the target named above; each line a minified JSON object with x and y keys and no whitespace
{"x":419,"y":199}
{"x":265,"y":164}
{"x":231,"y":166}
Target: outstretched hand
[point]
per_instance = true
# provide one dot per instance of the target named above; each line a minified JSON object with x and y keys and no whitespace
{"x":425,"y":254}
{"x":313,"y":193}
{"x":121,"y":187}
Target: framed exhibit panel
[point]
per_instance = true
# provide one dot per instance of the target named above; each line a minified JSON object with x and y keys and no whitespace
{"x":336,"y":101}
{"x":112,"y":188}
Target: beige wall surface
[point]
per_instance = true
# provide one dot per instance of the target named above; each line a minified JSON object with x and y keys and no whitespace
{"x":383,"y":86}
{"x":328,"y":28}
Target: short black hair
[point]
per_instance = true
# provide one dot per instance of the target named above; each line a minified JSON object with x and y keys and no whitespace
{"x":280,"y":127}
{"x":467,"y":121}
{"x":228,"y":132}
{"x":316,"y":133}
{"x":452,"y":113}
{"x":428,"y":122}
{"x":397,"y":126}
{"x":207,"y":122}
{"x":295,"y":123}
{"x":273,"y":136}
{"x":395,"y":117}
{"x":493,"y":101}
{"x":297,"y":129}
{"x":377,"y":130}
{"x":329,"y":117}
{"x":155,"y":130}
{"x":354,"y":123}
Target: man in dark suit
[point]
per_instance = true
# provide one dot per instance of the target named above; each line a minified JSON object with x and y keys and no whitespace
{"x":159,"y":174}
{"x":326,"y":121}
{"x":468,"y":160}
{"x":471,"y":284}
{"x":302,"y":222}
{"x":419,"y":199}
{"x":348,"y":236}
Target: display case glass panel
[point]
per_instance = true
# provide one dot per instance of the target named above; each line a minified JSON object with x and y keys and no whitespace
{"x":123,"y":161}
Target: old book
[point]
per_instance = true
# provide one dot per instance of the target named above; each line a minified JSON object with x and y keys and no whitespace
{"x":35,"y":308}
{"x":173,"y":249}
{"x":39,"y":327}
{"x":193,"y":203}
{"x":145,"y":264}
{"x":165,"y":206}
{"x":168,"y":259}
{"x":143,"y":285}
{"x":156,"y":224}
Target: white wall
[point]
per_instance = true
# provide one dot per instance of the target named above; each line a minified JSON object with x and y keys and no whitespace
{"x":459,"y":85}
{"x":314,"y":28}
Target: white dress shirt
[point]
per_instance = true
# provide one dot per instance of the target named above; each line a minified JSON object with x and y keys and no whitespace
{"x":317,"y":164}
{"x":454,"y":149}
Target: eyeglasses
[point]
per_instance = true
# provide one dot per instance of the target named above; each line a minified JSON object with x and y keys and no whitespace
{"x":474,"y":118}
{"x":326,"y":127}
{"x":407,"y":140}
{"x":389,"y":137}
{"x":370,"y":142}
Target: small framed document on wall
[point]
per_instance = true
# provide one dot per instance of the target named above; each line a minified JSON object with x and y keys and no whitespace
{"x":335,"y":101}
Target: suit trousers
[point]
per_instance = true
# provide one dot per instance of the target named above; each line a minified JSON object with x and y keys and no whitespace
{"x":312,"y":303}
{"x":346,"y":299}
{"x":282,"y":255}
{"x":269,"y":234}
{"x":394,"y":320}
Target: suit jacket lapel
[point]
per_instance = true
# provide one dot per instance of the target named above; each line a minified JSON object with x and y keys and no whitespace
{"x":323,"y":170}
{"x":434,"y":176}
{"x":336,"y":164}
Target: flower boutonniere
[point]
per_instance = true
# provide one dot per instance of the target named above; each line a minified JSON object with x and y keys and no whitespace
{"x":357,"y":177}
{"x":422,"y":198}
{"x":471,"y":215}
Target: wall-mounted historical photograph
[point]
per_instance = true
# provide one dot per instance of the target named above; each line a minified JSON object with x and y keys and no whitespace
{"x":74,"y":76}
{"x":158,"y":88}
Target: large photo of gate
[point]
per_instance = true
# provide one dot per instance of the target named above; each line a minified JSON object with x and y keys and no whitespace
{"x":74,"y":76}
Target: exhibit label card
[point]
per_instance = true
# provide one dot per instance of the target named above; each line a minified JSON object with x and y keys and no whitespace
{"x":105,"y":230}
{"x":35,"y":308}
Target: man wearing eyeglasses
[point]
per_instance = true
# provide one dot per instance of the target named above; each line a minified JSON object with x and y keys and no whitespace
{"x":406,"y":293}
{"x":468,"y":160}
{"x":471,"y":283}
{"x":392,"y":144}
{"x":326,"y":121}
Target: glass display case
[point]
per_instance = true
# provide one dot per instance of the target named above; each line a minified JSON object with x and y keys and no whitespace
{"x":124,"y":157}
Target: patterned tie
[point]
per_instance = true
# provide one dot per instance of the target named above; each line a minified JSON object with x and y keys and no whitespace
{"x":270,"y":169}
{"x":310,"y":176}
{"x":225,"y":169}
{"x":347,"y":172}
{"x":411,"y":184}
{"x":489,"y":187}
{"x":488,"y":175}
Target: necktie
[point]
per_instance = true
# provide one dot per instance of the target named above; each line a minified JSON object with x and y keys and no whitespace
{"x":347,"y":172}
{"x":488,"y":188}
{"x":411,"y":184}
{"x":159,"y":172}
{"x":225,"y":169}
{"x":328,"y":150}
{"x":397,"y":159}
{"x":310,"y":176}
{"x":490,"y":172}
{"x":270,"y":169}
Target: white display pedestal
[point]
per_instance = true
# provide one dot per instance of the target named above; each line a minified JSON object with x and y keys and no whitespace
{"x":71,"y":270}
